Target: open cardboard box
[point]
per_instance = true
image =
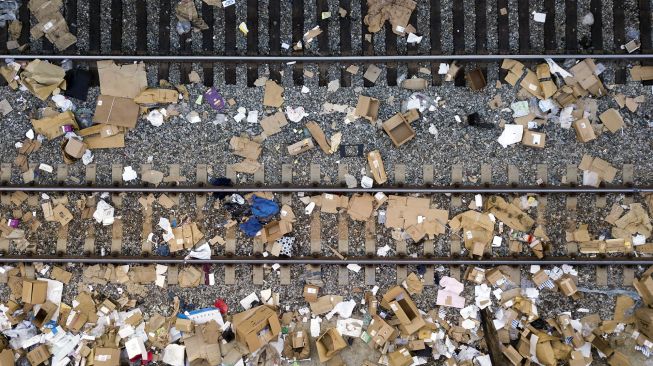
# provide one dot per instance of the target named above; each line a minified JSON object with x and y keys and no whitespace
{"x":398,"y":300}
{"x":256,"y":327}
{"x":275,"y":230}
{"x":329,"y":344}
{"x":398,"y":127}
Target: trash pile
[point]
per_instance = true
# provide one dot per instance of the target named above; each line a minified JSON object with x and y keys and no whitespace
{"x":553,"y":94}
{"x":101,"y":329}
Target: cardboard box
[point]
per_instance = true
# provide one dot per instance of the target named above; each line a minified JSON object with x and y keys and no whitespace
{"x":106,"y":357}
{"x":300,"y":146}
{"x":329,"y":344}
{"x":367,"y":108}
{"x":399,"y":129}
{"x":256,"y":327}
{"x":644,"y":320}
{"x":298,"y":339}
{"x":476,"y":79}
{"x":567,"y":286}
{"x":75,"y":148}
{"x":376,"y":166}
{"x":38,"y":355}
{"x":400,"y":357}
{"x":45,"y":314}
{"x":311,"y":292}
{"x":612,"y":120}
{"x":380,"y":331}
{"x":184,"y":325}
{"x":533,"y":139}
{"x":584,"y":130}
{"x":34,"y":291}
{"x":275,"y":230}
{"x":398,"y":300}
{"x":7,"y":358}
{"x":116,"y":111}
{"x":512,"y":355}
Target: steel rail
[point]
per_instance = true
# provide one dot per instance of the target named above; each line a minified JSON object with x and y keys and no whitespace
{"x":363,"y":261}
{"x":335,"y":189}
{"x":327,"y":59}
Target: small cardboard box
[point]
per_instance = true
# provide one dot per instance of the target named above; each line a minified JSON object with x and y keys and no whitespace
{"x":533,"y":139}
{"x":256,"y":327}
{"x":116,"y":111}
{"x":380,"y":331}
{"x":400,"y":357}
{"x":75,"y":148}
{"x":398,"y":300}
{"x":45,"y":313}
{"x":38,"y":355}
{"x":476,"y":79}
{"x":275,"y":230}
{"x":106,"y":357}
{"x":184,"y":325}
{"x":298,"y":339}
{"x":399,"y":129}
{"x":612,"y":120}
{"x":367,"y":108}
{"x":376,"y":166}
{"x":311,"y":292}
{"x":512,"y":355}
{"x":300,"y":146}
{"x":329,"y":344}
{"x":584,"y":130}
{"x":7,"y":358}
{"x":34,"y":291}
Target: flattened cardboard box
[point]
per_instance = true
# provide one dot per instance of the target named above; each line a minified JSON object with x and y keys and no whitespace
{"x":125,"y":81}
{"x":612,"y":120}
{"x":7,"y":358}
{"x":400,"y":357}
{"x":116,"y":111}
{"x":311,"y":292}
{"x":38,"y":355}
{"x":51,"y":127}
{"x":34,"y":291}
{"x":275,"y":230}
{"x":106,"y":357}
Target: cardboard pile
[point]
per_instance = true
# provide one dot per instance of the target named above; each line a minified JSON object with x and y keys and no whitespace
{"x":396,"y":12}
{"x":51,"y":23}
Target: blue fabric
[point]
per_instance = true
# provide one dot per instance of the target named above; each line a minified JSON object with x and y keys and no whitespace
{"x":251,"y":227}
{"x":263,"y":208}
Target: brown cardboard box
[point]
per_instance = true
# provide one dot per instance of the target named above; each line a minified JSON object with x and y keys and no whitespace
{"x":198,"y":350}
{"x":512,"y":355}
{"x":78,"y":322}
{"x":639,"y":73}
{"x":275,"y":230}
{"x":298,"y":339}
{"x":108,"y":130}
{"x":585,"y":76}
{"x":533,"y":139}
{"x":318,"y":135}
{"x":75,"y":148}
{"x":184,"y":325}
{"x":644,"y":287}
{"x":612,"y":120}
{"x":380,"y":331}
{"x":7,"y":358}
{"x":644,"y":319}
{"x":256,"y":327}
{"x":300,"y":146}
{"x":367,"y":108}
{"x":324,"y":304}
{"x":567,"y":286}
{"x":476,"y":79}
{"x":400,"y":357}
{"x":44,"y":314}
{"x":399,"y":129}
{"x":329,"y":343}
{"x":106,"y":357}
{"x":116,"y":111}
{"x":584,"y":130}
{"x":38,"y":355}
{"x":376,"y":166}
{"x":311,"y":292}
{"x":398,"y":300}
{"x":34,"y":291}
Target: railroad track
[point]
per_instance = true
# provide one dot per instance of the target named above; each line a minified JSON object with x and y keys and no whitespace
{"x":322,"y":239}
{"x":445,"y":37}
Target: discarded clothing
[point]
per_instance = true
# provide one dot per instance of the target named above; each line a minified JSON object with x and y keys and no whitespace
{"x":264,"y":208}
{"x":251,"y":227}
